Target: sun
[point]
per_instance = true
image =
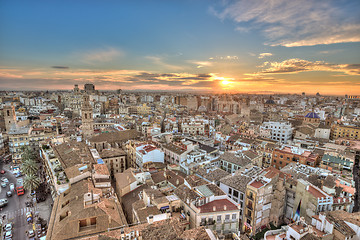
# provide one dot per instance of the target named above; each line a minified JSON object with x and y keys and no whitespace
{"x":225,"y":82}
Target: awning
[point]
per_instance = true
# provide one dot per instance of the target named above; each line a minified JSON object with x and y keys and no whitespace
{"x":163,"y":208}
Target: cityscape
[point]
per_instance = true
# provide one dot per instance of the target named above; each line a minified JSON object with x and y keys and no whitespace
{"x":169,"y":120}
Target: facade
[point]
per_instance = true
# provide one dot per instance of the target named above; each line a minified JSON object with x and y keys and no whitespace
{"x":287,"y":154}
{"x":114,"y":159}
{"x":339,"y":160}
{"x":265,"y":196}
{"x":193,"y":127}
{"x":310,"y":200}
{"x":347,"y":132}
{"x":87,"y":121}
{"x":9,"y":117}
{"x":147,"y":153}
{"x":280,"y":131}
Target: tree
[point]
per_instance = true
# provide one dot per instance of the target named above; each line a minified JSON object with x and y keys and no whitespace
{"x":31,"y":182}
{"x":27,"y":153}
{"x":29,"y":167}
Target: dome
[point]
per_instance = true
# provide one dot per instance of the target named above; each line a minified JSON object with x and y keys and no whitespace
{"x":270,"y":101}
{"x":312,"y":115}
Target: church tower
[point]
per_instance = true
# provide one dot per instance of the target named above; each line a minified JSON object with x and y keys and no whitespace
{"x":87,"y":118}
{"x":9,"y":116}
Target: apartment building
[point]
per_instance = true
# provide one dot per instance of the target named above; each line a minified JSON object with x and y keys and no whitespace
{"x":280,"y":131}
{"x":347,"y":132}
{"x":208,"y":206}
{"x":146,"y":153}
{"x":287,"y":154}
{"x":231,"y":162}
{"x":264,"y":203}
{"x":310,"y":200}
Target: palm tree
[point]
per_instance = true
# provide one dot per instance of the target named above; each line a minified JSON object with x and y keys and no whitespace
{"x":31,"y":182}
{"x":29,"y":167}
{"x":27,"y":153}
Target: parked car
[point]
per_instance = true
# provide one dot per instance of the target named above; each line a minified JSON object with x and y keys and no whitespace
{"x":31,"y":233}
{"x":4,"y":179}
{"x":29,"y":217}
{"x":2,"y":171}
{"x":8,"y":234}
{"x":3,"y":202}
{"x":8,"y":227}
{"x":12,"y":187}
{"x":9,"y":193}
{"x":3,"y":184}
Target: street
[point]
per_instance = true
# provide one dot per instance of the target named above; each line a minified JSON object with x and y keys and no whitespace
{"x":15,"y":210}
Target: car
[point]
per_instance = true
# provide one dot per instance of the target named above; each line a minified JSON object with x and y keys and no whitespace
{"x":8,"y":227}
{"x":31,"y":233}
{"x":3,"y":202}
{"x":3,"y":184}
{"x":29,"y":217}
{"x":9,"y":193}
{"x":2,"y":171}
{"x":4,"y":179}
{"x":12,"y":187}
{"x":8,"y":234}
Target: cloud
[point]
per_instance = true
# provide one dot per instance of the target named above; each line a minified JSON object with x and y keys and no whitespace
{"x":262,"y":55}
{"x":157,"y":60}
{"x":100,"y":55}
{"x":296,"y":23}
{"x":60,"y":67}
{"x":296,"y":65}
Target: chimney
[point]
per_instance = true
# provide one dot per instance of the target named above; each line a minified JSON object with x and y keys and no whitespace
{"x":177,"y":181}
{"x":214,"y":208}
{"x":225,"y":207}
{"x":109,"y":219}
{"x":69,"y":213}
{"x":77,"y":197}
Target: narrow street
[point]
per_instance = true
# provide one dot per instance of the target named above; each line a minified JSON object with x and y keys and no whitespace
{"x":16,"y":210}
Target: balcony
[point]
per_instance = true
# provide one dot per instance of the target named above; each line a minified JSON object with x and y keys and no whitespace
{"x":249,"y":207}
{"x":250,"y":197}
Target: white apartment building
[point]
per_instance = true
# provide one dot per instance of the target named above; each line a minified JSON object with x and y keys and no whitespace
{"x":280,"y":131}
{"x":148,"y":153}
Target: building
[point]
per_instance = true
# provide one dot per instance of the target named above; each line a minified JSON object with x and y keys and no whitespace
{"x":231,"y":162}
{"x":287,"y":154}
{"x":114,"y":159}
{"x":280,"y":131}
{"x":9,"y":117}
{"x":234,"y":185}
{"x":346,"y":132}
{"x":208,"y":206}
{"x":310,"y":200}
{"x":338,"y":160}
{"x":147,"y":153}
{"x":265,"y":198}
{"x":89,"y":88}
{"x":87,"y":121}
{"x":84,"y":210}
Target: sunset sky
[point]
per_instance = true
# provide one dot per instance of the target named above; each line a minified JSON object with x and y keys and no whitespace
{"x":250,"y":46}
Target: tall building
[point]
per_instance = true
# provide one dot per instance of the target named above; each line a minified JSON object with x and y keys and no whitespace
{"x":9,"y":117}
{"x":87,"y":118}
{"x":89,"y":88}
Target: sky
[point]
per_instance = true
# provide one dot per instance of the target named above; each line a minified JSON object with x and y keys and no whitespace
{"x":257,"y":46}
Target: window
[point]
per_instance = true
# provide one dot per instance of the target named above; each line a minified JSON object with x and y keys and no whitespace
{"x":227,"y":217}
{"x":230,"y":191}
{"x":280,"y":162}
{"x":234,"y":216}
{"x":218,"y":219}
{"x":236,"y":193}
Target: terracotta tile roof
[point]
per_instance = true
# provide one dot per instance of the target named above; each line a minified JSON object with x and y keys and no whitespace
{"x":101,"y":169}
{"x":220,"y":205}
{"x":316,"y":193}
{"x":256,"y":184}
